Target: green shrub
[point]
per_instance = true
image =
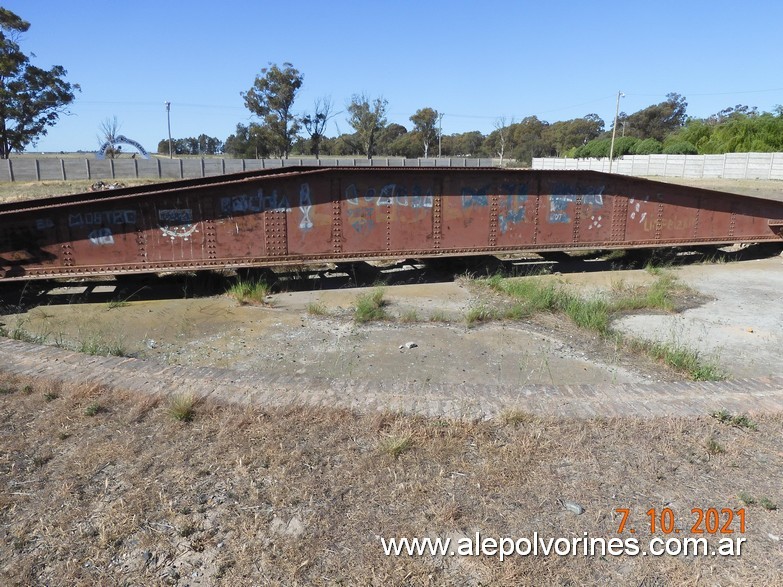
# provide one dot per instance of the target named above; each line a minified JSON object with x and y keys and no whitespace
{"x":647,"y":147}
{"x":370,"y":306}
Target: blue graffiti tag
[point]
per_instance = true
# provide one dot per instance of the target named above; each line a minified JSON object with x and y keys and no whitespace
{"x":257,"y":202}
{"x":475,"y":197}
{"x":563,"y":195}
{"x":513,"y":199}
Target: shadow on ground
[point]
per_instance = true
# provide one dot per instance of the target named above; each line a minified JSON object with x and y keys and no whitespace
{"x":18,"y":297}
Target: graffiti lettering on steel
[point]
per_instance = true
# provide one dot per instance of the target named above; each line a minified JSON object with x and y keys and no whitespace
{"x":101,"y":236}
{"x":177,"y":223}
{"x":670,"y":224}
{"x":474,"y":197}
{"x":391,"y":194}
{"x":513,"y":199}
{"x":44,"y":224}
{"x":634,"y":208}
{"x":102,"y":218}
{"x":361,"y":206}
{"x":176,"y":216}
{"x":420,"y":199}
{"x":305,"y":207}
{"x":258,"y":202}
{"x":564,"y":195}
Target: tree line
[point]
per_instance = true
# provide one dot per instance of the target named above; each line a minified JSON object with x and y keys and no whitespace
{"x":659,"y":128}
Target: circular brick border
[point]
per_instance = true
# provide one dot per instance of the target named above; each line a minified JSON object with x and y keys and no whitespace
{"x":752,"y":396}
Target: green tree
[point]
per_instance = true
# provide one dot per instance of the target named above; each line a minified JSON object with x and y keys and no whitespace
{"x":679,"y":148}
{"x":367,"y":118}
{"x":527,"y":140}
{"x":657,"y":121}
{"x":253,"y":141}
{"x":272,"y":98}
{"x":425,"y":125}
{"x":388,"y":139}
{"x":407,"y":145}
{"x":464,"y":144}
{"x":31,"y":98}
{"x":564,"y":135}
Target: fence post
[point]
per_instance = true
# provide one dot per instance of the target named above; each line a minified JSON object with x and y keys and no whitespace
{"x":37,"y":170}
{"x":11,"y":169}
{"x":243,"y":165}
{"x":87,"y":165}
{"x":160,"y":175}
{"x":223,"y":166}
{"x":136,"y":168}
{"x":203,"y":170}
{"x":181,"y":169}
{"x":62,"y":168}
{"x":111,"y":165}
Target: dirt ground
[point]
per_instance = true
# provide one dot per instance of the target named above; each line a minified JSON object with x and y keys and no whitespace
{"x":734,"y":323}
{"x":103,"y":488}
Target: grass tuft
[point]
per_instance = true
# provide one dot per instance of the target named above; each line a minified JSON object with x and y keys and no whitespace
{"x":440,"y":316}
{"x":479,"y":314}
{"x":182,"y":407}
{"x":514,"y":417}
{"x":410,"y":317}
{"x":370,"y":306}
{"x":739,"y":421}
{"x":96,"y":345}
{"x":93,"y":409}
{"x":396,"y":444}
{"x":317,"y":309}
{"x":250,"y":291}
{"x":713,"y":447}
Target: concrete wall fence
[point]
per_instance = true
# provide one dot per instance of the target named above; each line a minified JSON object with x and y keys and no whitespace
{"x":54,"y":169}
{"x":728,"y":166}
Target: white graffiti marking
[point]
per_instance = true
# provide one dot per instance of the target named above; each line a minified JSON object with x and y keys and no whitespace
{"x":101,"y":236}
{"x":184,"y":232}
{"x":305,"y":206}
{"x":178,"y":223}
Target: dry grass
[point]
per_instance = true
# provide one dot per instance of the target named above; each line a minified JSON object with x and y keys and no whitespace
{"x":16,"y":191}
{"x":297,"y":496}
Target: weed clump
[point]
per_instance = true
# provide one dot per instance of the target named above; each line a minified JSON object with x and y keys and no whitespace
{"x":395,"y":445}
{"x":250,"y":291}
{"x":739,"y":421}
{"x":182,"y":407}
{"x":370,"y":307}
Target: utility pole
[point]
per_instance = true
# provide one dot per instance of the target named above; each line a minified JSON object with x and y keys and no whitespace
{"x":440,"y":132}
{"x":168,"y":118}
{"x":614,"y":129}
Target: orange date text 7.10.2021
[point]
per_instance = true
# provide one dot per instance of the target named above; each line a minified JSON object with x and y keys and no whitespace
{"x":702,"y":521}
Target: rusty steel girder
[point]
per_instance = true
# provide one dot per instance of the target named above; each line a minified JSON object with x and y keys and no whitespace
{"x":309,"y":214}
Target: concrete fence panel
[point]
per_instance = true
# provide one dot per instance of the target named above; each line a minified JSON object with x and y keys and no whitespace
{"x":728,"y":166}
{"x":76,"y":168}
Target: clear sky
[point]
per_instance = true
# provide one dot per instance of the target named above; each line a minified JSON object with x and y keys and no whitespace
{"x":472,"y":61}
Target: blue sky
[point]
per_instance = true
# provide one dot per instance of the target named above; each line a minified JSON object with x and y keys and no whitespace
{"x":472,"y":61}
